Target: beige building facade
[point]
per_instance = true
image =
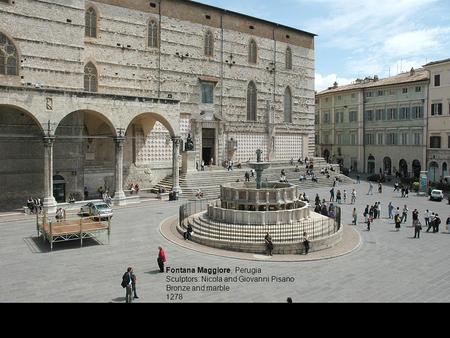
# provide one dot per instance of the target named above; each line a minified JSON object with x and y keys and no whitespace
{"x":105,"y":93}
{"x":438,"y":140}
{"x":375,"y":125}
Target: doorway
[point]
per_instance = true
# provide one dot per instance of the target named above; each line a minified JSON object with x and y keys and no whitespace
{"x":59,"y":189}
{"x":208,"y":146}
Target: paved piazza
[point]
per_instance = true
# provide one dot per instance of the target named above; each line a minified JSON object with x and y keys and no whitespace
{"x":387,"y":267}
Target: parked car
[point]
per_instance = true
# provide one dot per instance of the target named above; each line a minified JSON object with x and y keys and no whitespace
{"x":437,"y":195}
{"x":100,"y":210}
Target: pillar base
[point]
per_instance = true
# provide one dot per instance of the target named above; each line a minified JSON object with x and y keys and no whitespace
{"x":50,"y":205}
{"x":119,"y":198}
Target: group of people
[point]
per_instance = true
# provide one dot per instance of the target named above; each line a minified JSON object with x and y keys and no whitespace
{"x":134,"y":188}
{"x":35,"y":205}
{"x":129,"y":279}
{"x":269,"y":244}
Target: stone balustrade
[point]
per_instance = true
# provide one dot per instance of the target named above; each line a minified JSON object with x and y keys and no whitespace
{"x":218,"y":214}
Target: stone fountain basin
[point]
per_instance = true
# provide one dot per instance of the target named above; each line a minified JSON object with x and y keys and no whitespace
{"x":259,"y":165}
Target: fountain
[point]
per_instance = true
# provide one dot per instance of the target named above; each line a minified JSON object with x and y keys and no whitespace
{"x":246,"y":212}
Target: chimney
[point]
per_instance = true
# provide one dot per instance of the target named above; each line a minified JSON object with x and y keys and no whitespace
{"x":335,"y":85}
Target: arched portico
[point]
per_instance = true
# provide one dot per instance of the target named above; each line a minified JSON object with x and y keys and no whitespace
{"x":144,"y":132}
{"x":53,"y":115}
{"x":84,"y":153}
{"x":21,"y":155}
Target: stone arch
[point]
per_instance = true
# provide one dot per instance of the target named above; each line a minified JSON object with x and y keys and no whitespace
{"x":433,"y":171}
{"x":403,"y":168}
{"x":371,"y":164}
{"x":387,"y":165}
{"x":151,"y":119}
{"x":84,"y":152}
{"x":444,"y":169}
{"x":417,"y":168}
{"x":21,"y":156}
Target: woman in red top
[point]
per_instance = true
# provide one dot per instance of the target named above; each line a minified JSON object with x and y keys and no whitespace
{"x":161,"y":259}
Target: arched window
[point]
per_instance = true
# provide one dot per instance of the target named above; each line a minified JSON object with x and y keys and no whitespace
{"x":8,"y":57}
{"x":91,"y":23}
{"x":90,"y":78}
{"x":153,"y":34}
{"x":288,"y":58}
{"x":251,"y":102}
{"x":252,"y":52}
{"x":209,"y":44}
{"x":287,"y":105}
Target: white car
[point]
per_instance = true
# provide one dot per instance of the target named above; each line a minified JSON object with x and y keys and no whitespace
{"x":99,"y":210}
{"x":437,"y":195}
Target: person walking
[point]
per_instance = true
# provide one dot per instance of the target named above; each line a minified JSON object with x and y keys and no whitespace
{"x":390,"y":209}
{"x":398,"y":222}
{"x":338,"y":197}
{"x":269,"y":244}
{"x":355,"y":216}
{"x":370,"y":192}
{"x":332,"y":195}
{"x":380,"y":188}
{"x":415,"y":217}
{"x":345,"y":196}
{"x":436,"y":223}
{"x":427,"y":217}
{"x":127,"y":283}
{"x":417,"y":228}
{"x":306,"y":242}
{"x":369,"y":221}
{"x":431,"y":222}
{"x":358,"y":179}
{"x":405,"y":213}
{"x":448,"y":224}
{"x":161,"y":259}
{"x":353,"y":196}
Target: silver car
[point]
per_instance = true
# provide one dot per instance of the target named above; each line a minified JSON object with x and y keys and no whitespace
{"x":437,"y":195}
{"x":99,"y":210}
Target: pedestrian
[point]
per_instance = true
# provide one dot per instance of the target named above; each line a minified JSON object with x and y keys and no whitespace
{"x":431,"y":222}
{"x":269,"y":244}
{"x":427,"y":217}
{"x":86,"y":193}
{"x":448,"y":224}
{"x":415,"y":217}
{"x":161,"y":259}
{"x":369,"y":221}
{"x":353,"y":196}
{"x":366,"y":213}
{"x":405,"y":213}
{"x":306,"y":243}
{"x":358,"y":180}
{"x":370,"y":192}
{"x":437,"y":222}
{"x":417,"y":228}
{"x":136,"y":188}
{"x":345,"y":196}
{"x":332,"y":195}
{"x":338,"y":197}
{"x":127,"y":283}
{"x":355,"y":216}
{"x":380,"y":188}
{"x":247,"y":176}
{"x":397,"y":222}
{"x":390,"y":209}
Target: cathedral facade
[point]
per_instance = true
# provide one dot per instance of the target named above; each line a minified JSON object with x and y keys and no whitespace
{"x":104,"y":93}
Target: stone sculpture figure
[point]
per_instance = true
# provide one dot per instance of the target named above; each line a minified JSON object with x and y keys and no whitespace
{"x":189,"y":143}
{"x":258,"y":155}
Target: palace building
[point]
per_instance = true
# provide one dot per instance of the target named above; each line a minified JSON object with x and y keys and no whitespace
{"x":104,"y":93}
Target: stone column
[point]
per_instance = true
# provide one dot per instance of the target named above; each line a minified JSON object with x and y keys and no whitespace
{"x":176,"y":165}
{"x":119,"y":195}
{"x":49,"y":200}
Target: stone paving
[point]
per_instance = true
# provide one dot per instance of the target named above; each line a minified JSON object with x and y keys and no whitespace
{"x":388,"y":266}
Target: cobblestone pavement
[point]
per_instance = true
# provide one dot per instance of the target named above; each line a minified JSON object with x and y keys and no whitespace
{"x":388,"y":267}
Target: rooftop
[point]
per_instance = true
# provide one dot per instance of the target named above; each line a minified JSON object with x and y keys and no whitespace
{"x":414,"y":75}
{"x":437,"y":62}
